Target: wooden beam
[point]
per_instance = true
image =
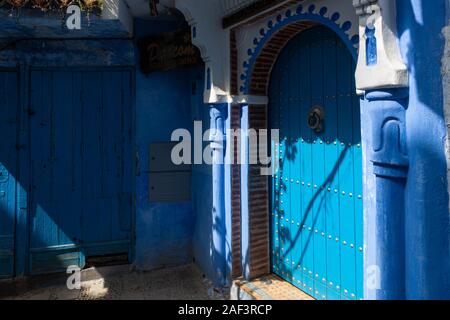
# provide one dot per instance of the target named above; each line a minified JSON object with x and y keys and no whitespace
{"x":248,"y":12}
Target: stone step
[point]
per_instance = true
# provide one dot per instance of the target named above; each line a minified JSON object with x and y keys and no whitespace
{"x":270,"y":287}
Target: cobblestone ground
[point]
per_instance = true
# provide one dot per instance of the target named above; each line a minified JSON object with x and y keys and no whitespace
{"x":117,"y":283}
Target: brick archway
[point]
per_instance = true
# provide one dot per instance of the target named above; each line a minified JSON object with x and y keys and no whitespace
{"x":276,"y":33}
{"x":262,"y":67}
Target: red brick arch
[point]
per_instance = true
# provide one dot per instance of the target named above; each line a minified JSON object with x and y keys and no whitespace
{"x":260,"y":75}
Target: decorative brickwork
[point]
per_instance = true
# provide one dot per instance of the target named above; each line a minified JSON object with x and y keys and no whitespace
{"x":236,"y":198}
{"x":258,"y":201}
{"x":233,"y":63}
{"x":269,"y":54}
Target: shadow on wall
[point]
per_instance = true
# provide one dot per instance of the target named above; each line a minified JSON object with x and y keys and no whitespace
{"x":427,"y":221}
{"x":202,"y":191}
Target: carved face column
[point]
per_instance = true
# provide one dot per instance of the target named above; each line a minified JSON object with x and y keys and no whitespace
{"x":383,"y":77}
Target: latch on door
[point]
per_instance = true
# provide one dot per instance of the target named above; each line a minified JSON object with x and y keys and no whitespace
{"x":315,"y":119}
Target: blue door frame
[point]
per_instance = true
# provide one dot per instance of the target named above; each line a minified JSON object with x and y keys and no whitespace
{"x":317,"y":203}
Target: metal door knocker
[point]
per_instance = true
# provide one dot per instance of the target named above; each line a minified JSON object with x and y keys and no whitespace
{"x":315,"y":118}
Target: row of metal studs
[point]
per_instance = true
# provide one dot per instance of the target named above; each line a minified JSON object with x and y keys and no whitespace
{"x":320,"y":142}
{"x":323,"y":234}
{"x":301,"y":284}
{"x":315,"y":187}
{"x":330,"y":237}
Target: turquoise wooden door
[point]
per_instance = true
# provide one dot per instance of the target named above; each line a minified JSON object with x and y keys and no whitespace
{"x":9,"y":94}
{"x":317,"y":212}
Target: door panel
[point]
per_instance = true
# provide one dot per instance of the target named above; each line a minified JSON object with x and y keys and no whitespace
{"x":81,"y":163}
{"x":9,"y":94}
{"x":317,"y":193}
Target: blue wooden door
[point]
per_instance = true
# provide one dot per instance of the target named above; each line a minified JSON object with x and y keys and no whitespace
{"x":9,"y":95}
{"x":317,"y":224}
{"x":81,"y":176}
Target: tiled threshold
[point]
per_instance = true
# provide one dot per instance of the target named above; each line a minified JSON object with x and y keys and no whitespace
{"x":270,"y":287}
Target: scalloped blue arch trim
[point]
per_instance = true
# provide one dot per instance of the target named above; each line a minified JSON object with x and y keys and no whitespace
{"x":281,"y":21}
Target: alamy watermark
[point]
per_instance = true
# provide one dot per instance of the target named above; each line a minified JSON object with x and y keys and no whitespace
{"x":74,"y":280}
{"x":226,"y":147}
{"x":373,"y":277}
{"x":73,"y":20}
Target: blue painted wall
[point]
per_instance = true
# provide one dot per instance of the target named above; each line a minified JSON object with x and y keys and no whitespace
{"x":164,"y":231}
{"x":34,"y":23}
{"x":420,"y":23}
{"x":171,"y":234}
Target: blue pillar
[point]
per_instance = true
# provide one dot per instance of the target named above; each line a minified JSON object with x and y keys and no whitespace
{"x":218,"y":117}
{"x":245,"y":221}
{"x":388,"y":154}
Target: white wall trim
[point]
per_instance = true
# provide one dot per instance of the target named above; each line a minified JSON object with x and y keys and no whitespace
{"x":118,"y":9}
{"x":241,"y":99}
{"x":390,"y":70}
{"x":205,"y":19}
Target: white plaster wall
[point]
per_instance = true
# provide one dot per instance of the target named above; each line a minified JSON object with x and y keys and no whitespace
{"x":389,"y":71}
{"x":118,"y":9}
{"x":232,"y":6}
{"x":213,"y":42}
